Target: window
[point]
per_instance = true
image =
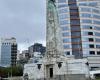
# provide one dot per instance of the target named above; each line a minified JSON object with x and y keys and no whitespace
{"x":76,"y":46}
{"x":91,"y":46}
{"x":65,"y":10}
{"x":75,"y":33}
{"x":92,"y":52}
{"x":90,"y":27}
{"x":66,"y":46}
{"x":85,"y":9}
{"x":72,"y":0}
{"x":97,"y":46}
{"x":66,"y":40}
{"x":67,"y":53}
{"x":61,"y":1}
{"x":64,"y":22}
{"x":85,"y":39}
{"x":98,"y":52}
{"x":85,"y":45}
{"x":73,"y":10}
{"x":96,"y":16}
{"x":75,"y":22}
{"x":97,"y":28}
{"x":74,"y":16}
{"x":72,"y":4}
{"x":97,"y":40}
{"x":76,"y":39}
{"x":64,"y":16}
{"x":65,"y":28}
{"x":65,"y":34}
{"x":96,"y":22}
{"x":97,"y":34}
{"x":93,"y":3}
{"x":86,"y":21}
{"x":83,"y":4}
{"x":62,"y":5}
{"x":86,"y":27}
{"x":90,"y":33}
{"x":91,"y":39}
{"x":86,"y":15}
{"x":95,"y":10}
{"x":75,"y":28}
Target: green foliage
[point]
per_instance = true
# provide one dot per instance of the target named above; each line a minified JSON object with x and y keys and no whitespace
{"x":11,"y":71}
{"x":98,"y":79}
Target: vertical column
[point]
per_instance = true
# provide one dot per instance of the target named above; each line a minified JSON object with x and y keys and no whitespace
{"x":13,"y":54}
{"x":75,"y":29}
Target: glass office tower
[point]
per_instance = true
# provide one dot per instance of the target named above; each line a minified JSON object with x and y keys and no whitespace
{"x":8,"y":52}
{"x":80,"y":24}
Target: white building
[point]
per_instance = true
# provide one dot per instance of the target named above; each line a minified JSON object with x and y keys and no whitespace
{"x":94,"y":62}
{"x":57,"y":69}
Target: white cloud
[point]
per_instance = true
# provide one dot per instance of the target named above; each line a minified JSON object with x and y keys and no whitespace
{"x":23,"y":19}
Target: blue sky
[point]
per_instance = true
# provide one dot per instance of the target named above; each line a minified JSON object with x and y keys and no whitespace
{"x":23,"y":19}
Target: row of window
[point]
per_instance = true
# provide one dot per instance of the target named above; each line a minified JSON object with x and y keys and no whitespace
{"x":61,"y":1}
{"x":66,"y":46}
{"x":97,"y":34}
{"x":65,"y":10}
{"x":67,"y":40}
{"x":90,"y":52}
{"x":73,"y":34}
{"x":90,"y":27}
{"x":97,"y":40}
{"x":77,"y":22}
{"x":87,"y":15}
{"x":63,"y":16}
{"x":82,"y":9}
{"x":65,"y":28}
{"x":89,"y":10}
{"x":87,"y":39}
{"x":64,"y":34}
{"x":93,"y":4}
{"x":86,"y":27}
{"x":76,"y":28}
{"x":90,"y":33}
{"x":64,"y":22}
{"x":87,"y":33}
{"x":62,"y":5}
{"x":90,"y":46}
{"x":79,"y":46}
{"x":93,"y":52}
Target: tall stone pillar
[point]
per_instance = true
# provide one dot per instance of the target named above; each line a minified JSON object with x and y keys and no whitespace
{"x":53,"y":35}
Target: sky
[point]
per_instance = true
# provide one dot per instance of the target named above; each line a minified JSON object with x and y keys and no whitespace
{"x":24,"y":20}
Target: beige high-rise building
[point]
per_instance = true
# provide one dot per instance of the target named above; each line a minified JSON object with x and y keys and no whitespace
{"x":80,"y":24}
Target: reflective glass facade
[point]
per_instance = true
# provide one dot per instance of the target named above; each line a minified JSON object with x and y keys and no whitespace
{"x":80,"y":24}
{"x":8,"y":52}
